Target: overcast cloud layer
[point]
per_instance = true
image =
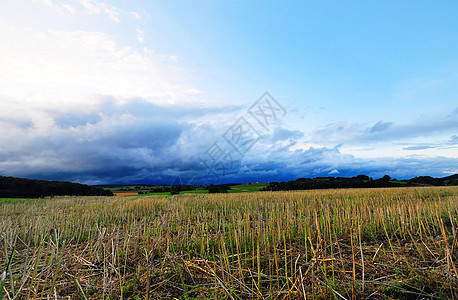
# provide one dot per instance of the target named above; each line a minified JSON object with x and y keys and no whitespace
{"x":85,"y":97}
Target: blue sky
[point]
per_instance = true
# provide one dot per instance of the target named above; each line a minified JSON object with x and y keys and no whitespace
{"x":140,"y":91}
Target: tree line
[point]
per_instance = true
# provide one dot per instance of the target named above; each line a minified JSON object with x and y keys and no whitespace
{"x":12,"y":187}
{"x":360,"y":181}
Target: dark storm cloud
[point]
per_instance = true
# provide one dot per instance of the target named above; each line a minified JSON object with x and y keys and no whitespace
{"x":123,"y":142}
{"x":111,"y":142}
{"x":156,"y":136}
{"x":140,"y":142}
{"x":323,"y":162}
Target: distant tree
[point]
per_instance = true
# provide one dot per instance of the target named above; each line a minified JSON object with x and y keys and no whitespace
{"x":222,"y":188}
{"x":426,"y":180}
{"x":386,"y":178}
{"x":362,"y":177}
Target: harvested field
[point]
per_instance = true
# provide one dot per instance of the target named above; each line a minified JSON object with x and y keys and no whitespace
{"x":323,"y":244}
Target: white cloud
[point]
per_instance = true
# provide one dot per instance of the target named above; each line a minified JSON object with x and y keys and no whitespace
{"x":61,"y":9}
{"x":49,"y":68}
{"x":95,"y":8}
{"x":136,"y":15}
{"x":140,"y":35}
{"x":90,"y":6}
{"x":69,"y":8}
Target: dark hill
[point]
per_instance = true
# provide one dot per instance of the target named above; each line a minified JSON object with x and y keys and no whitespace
{"x":451,"y":180}
{"x":360,"y":181}
{"x":451,"y":177}
{"x":12,"y":187}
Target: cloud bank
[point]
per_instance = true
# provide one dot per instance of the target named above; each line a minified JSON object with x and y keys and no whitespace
{"x":142,"y":142}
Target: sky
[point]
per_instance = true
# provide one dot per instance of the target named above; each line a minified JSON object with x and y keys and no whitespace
{"x":199,"y":92}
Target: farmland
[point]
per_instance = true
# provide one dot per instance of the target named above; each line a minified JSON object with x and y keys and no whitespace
{"x":319,"y":244}
{"x":130,"y":190}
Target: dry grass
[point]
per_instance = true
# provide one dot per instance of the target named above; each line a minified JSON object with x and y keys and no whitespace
{"x":340,"y":244}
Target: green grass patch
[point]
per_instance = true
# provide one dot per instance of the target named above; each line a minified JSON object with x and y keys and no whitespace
{"x":399,"y":182}
{"x":13,"y":200}
{"x":248,"y":187}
